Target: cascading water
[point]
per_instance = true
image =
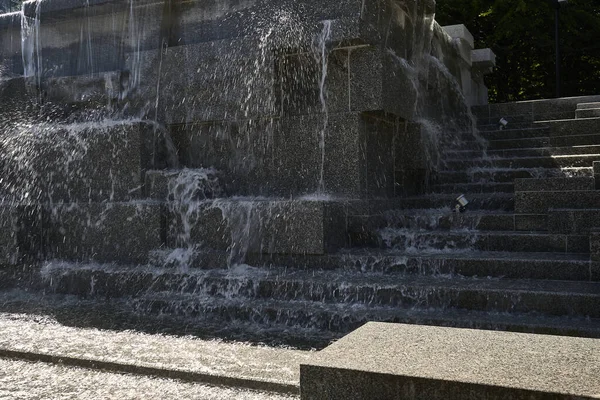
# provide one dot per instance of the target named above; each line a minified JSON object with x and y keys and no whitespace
{"x":322,"y":57}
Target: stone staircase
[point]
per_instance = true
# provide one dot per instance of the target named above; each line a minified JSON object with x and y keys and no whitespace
{"x":181,"y":251}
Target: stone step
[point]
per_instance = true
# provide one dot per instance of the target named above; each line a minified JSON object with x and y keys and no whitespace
{"x":588,"y":113}
{"x":362,"y":229}
{"x":573,"y":221}
{"x":541,"y":202}
{"x":555,"y":184}
{"x":505,"y":187}
{"x":537,"y":110}
{"x":571,"y":127}
{"x":500,"y":175}
{"x":590,"y":139}
{"x":523,"y":119}
{"x":495,"y":201}
{"x":525,"y":152}
{"x":338,"y":287}
{"x":448,"y":241}
{"x":587,"y":106}
{"x":507,"y":144}
{"x":322,"y":316}
{"x":523,"y":133}
{"x":495,"y":126}
{"x":514,"y":265}
{"x":299,"y":301}
{"x":562,"y":161}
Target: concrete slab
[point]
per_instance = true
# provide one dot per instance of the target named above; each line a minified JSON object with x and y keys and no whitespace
{"x":214,"y":362}
{"x":393,"y":361}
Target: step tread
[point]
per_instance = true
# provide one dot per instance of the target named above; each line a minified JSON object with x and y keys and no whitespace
{"x":521,"y":322}
{"x":360,"y":279}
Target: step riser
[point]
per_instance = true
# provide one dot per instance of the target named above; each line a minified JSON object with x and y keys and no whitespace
{"x":321,"y":320}
{"x":541,"y":202}
{"x":515,"y":134}
{"x":393,"y":295}
{"x":554,"y":304}
{"x":509,"y":176}
{"x":491,"y":203}
{"x":477,"y":188}
{"x":589,"y":139}
{"x":549,"y":162}
{"x":411,"y":241}
{"x":534,"y":152}
{"x":518,"y":144}
{"x":586,"y":106}
{"x":588,"y":113}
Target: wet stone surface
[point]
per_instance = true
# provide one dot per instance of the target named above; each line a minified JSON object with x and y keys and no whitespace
{"x":28,"y":380}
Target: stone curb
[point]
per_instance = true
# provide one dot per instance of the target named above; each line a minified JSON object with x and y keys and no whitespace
{"x":187,"y":376}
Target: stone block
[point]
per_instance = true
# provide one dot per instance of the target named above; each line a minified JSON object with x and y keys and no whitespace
{"x":554,"y":184}
{"x":596,"y":171}
{"x":221,"y":80}
{"x":463,"y":39}
{"x":595,"y":246}
{"x":573,"y":221}
{"x":86,"y":162}
{"x":540,"y":202}
{"x":171,"y":185}
{"x":393,"y":361}
{"x":574,"y":127}
{"x":259,"y":226}
{"x":357,"y":160}
{"x":104,"y":232}
{"x":102,"y":90}
{"x":382,"y":81}
{"x":484,"y":60}
{"x":300,"y":77}
{"x":9,"y":236}
{"x":241,"y":151}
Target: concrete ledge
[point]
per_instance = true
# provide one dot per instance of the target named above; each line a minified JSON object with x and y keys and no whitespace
{"x":186,"y":359}
{"x":393,"y":361}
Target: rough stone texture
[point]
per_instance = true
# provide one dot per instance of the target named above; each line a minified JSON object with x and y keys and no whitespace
{"x":9,"y":243}
{"x":554,"y":184}
{"x":230,"y":364}
{"x":82,"y":171}
{"x":259,"y":226}
{"x":10,"y":45}
{"x":97,"y":91}
{"x":121,"y":232}
{"x":595,"y":246}
{"x":283,"y":156}
{"x":574,"y":127}
{"x":390,"y":361}
{"x":573,"y":221}
{"x":540,"y":202}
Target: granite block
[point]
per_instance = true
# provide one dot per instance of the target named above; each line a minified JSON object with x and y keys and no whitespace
{"x":392,"y":361}
{"x":573,"y":221}
{"x":260,"y":226}
{"x":540,"y":202}
{"x":104,"y":232}
{"x":554,"y":184}
{"x":595,"y":248}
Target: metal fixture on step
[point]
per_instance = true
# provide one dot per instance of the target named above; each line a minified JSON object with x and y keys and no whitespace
{"x":461,"y":204}
{"x":503,"y":122}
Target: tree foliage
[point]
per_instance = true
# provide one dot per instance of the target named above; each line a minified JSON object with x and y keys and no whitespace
{"x":521,"y":33}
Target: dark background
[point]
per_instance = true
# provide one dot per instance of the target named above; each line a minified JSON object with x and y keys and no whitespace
{"x":521,"y":33}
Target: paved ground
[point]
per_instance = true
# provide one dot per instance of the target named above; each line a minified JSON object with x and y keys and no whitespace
{"x":28,"y":380}
{"x":207,"y":361}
